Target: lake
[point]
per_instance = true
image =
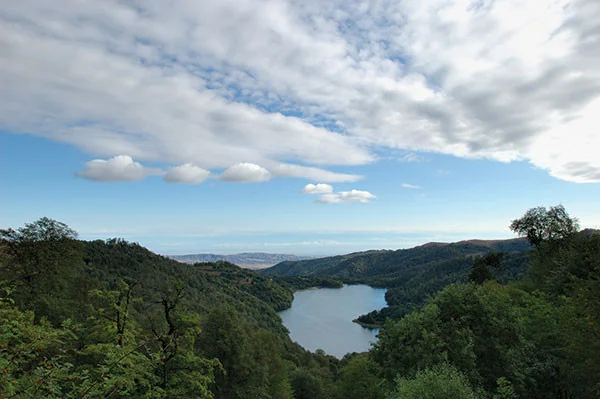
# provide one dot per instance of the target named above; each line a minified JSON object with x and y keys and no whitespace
{"x":322,"y":318}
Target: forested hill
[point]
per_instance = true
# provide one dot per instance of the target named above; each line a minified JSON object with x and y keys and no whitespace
{"x":110,"y":319}
{"x":390,"y":264}
{"x":411,"y":275}
{"x":95,"y":319}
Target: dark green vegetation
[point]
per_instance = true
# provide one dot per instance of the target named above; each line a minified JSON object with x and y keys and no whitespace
{"x":410,"y":275}
{"x":112,"y":320}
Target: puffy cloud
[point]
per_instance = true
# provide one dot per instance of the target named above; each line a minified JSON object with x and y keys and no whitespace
{"x":411,"y":186}
{"x":363,"y":197}
{"x":119,"y":168}
{"x":306,"y":83}
{"x":317,"y":189}
{"x":186,"y":173}
{"x":245,"y":172}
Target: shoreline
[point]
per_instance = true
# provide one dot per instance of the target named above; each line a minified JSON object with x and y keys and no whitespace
{"x":367,"y":325}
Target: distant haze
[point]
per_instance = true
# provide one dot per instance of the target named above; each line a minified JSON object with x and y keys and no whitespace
{"x":248,"y":260}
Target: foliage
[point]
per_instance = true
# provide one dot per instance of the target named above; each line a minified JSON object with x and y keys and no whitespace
{"x":305,"y":385}
{"x":111,"y":319}
{"x":484,"y":266}
{"x":129,"y":323}
{"x":39,"y":260}
{"x":30,"y":361}
{"x":359,"y":378}
{"x":438,"y":382}
{"x":481,"y":271}
{"x":541,"y":225}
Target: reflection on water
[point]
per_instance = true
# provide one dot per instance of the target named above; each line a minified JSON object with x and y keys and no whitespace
{"x":322,"y":318}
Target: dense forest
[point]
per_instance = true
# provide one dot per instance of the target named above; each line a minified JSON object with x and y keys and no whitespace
{"x":110,"y":319}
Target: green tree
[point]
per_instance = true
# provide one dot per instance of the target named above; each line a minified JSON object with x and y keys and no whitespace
{"x":436,"y":334}
{"x":114,"y":306}
{"x":484,"y":331}
{"x":306,"y":385}
{"x":32,"y":361}
{"x":359,"y":379}
{"x":545,"y":225}
{"x":483,"y":266}
{"x":42,"y":259}
{"x":481,"y":271}
{"x":252,"y":366}
{"x":438,"y":382}
{"x":505,"y":390}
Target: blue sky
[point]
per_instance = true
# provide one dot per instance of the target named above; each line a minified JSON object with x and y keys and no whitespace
{"x":309,"y":128}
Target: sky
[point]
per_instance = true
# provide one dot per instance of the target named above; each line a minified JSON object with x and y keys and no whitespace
{"x":305,"y":127}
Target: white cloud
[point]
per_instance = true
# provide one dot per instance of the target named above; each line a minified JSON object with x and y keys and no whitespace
{"x":119,"y":168}
{"x":565,"y":150}
{"x":363,"y":197}
{"x":312,"y":173}
{"x":186,"y":173}
{"x":308,"y":83}
{"x":317,"y":189}
{"x":411,"y":157}
{"x":245,"y":172}
{"x":411,"y":186}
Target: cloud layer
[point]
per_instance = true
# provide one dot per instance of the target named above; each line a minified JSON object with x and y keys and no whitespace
{"x":298,"y":87}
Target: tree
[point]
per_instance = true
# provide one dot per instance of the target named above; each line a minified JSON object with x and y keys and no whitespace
{"x":251,"y":364}
{"x":358,"y":379}
{"x":305,"y":385}
{"x":483,"y":266}
{"x":31,"y":354}
{"x":44,"y":229}
{"x":480,"y":272}
{"x":439,"y":382}
{"x":545,"y":225}
{"x":44,"y":258}
{"x":114,"y":306}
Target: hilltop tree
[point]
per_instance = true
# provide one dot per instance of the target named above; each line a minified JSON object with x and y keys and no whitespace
{"x":43,"y":229}
{"x":44,"y":258}
{"x":545,"y":225}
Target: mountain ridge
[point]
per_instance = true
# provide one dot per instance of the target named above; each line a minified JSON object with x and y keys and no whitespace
{"x":412,"y":274}
{"x":344,"y":265}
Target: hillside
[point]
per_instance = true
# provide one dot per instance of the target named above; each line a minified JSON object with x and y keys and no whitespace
{"x":387,"y":263}
{"x":248,"y":260}
{"x":409,"y":274}
{"x":110,"y":319}
{"x":87,"y":319}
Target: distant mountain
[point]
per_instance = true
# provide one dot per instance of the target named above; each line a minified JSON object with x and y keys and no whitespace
{"x":248,"y":260}
{"x":389,"y":263}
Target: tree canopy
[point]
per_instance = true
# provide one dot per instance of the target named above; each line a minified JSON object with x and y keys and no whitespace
{"x":43,"y":229}
{"x":540,"y":225}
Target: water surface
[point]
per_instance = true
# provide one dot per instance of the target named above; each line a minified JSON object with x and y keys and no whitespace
{"x":322,"y":318}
